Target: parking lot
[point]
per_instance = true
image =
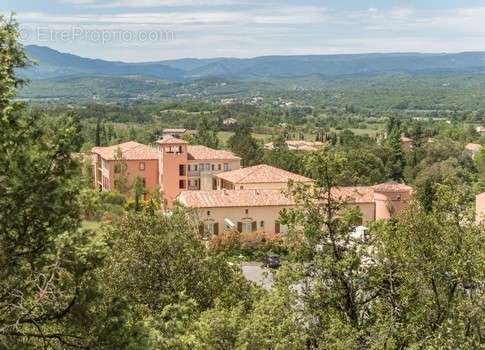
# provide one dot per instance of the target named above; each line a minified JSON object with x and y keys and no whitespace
{"x":258,"y":274}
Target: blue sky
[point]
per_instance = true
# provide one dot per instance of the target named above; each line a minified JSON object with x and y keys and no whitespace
{"x":152,"y":30}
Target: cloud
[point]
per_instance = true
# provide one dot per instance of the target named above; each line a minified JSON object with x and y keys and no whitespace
{"x":283,"y":16}
{"x":161,"y":3}
{"x":77,"y":2}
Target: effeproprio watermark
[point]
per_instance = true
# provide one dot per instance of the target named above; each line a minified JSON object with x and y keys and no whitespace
{"x":44,"y":34}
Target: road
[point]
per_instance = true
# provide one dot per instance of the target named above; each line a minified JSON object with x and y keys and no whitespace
{"x":254,"y":272}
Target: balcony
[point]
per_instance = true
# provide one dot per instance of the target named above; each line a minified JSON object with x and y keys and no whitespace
{"x":193,"y":173}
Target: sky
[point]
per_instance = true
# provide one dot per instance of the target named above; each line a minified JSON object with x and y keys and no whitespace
{"x":155,"y":30}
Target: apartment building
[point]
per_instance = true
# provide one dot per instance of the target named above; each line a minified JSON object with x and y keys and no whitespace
{"x":138,"y":159}
{"x":172,"y":164}
{"x":258,"y":206}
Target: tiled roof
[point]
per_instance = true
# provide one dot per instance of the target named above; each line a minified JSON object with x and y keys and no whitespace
{"x":392,"y":187}
{"x":266,"y":197}
{"x":261,"y":174}
{"x":200,"y":152}
{"x":131,"y":151}
{"x":234,"y":198}
{"x":170,"y":140}
{"x":357,"y":194}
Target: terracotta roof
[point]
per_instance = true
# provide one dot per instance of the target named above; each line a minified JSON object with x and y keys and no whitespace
{"x":234,"y":198}
{"x":131,"y":151}
{"x":266,"y":197}
{"x":473,"y":147}
{"x":392,"y":187}
{"x":261,"y":174}
{"x":200,"y":152}
{"x":170,"y":140}
{"x":357,"y":194}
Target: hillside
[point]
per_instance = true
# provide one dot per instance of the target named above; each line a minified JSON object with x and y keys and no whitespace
{"x":52,"y":63}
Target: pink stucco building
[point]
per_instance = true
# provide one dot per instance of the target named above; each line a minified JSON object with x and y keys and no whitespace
{"x":172,"y":164}
{"x":139,"y":160}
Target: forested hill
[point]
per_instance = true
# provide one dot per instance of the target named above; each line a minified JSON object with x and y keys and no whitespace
{"x":54,"y":64}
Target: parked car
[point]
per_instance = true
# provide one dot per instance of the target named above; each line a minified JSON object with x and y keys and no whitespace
{"x":272,"y":261}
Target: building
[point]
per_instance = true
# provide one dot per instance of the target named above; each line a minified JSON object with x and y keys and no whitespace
{"x":473,"y":148}
{"x":138,"y":160}
{"x":258,"y":209}
{"x":173,"y":165}
{"x":188,"y":167}
{"x":480,"y":208}
{"x":258,"y":177}
{"x":406,"y":143}
{"x":298,"y":145}
{"x":480,"y":129}
{"x":228,"y":122}
{"x":177,"y":132}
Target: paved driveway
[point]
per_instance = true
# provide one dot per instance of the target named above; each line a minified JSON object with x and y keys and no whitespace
{"x":254,"y":272}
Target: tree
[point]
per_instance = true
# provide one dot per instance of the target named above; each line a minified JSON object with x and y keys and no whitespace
{"x":433,"y":265}
{"x":206,"y":133}
{"x":340,"y":285}
{"x":41,"y":274}
{"x":97,"y":141}
{"x":138,"y":190}
{"x":245,"y":145}
{"x":120,"y":168}
{"x":397,"y":160}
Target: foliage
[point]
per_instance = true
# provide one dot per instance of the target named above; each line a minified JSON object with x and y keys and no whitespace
{"x":254,"y":244}
{"x":245,"y":145}
{"x":206,"y":134}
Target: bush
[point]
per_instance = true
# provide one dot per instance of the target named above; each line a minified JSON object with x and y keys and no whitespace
{"x":252,"y":244}
{"x":113,"y":198}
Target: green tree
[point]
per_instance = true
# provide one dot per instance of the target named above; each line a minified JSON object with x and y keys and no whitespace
{"x":432,"y":261}
{"x":206,"y":133}
{"x":138,"y":190}
{"x":340,"y":286}
{"x":120,"y":168}
{"x":245,"y":145}
{"x":42,"y":277}
{"x":396,"y":161}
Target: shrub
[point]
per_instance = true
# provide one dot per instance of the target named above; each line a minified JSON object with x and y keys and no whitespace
{"x":251,"y":244}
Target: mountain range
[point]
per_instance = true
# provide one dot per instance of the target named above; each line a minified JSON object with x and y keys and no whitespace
{"x":54,"y":64}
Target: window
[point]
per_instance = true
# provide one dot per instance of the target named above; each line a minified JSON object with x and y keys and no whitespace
{"x":207,"y":166}
{"x":261,"y":224}
{"x":247,"y":227}
{"x":181,"y":184}
{"x":208,"y":213}
{"x":181,"y":169}
{"x":283,"y":228}
{"x":213,"y":167}
{"x":141,"y":166}
{"x":241,"y":187}
{"x":246,"y":211}
{"x":189,"y":167}
{"x":226,"y":167}
{"x":144,"y":182}
{"x":219,"y":166}
{"x":209,"y":228}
